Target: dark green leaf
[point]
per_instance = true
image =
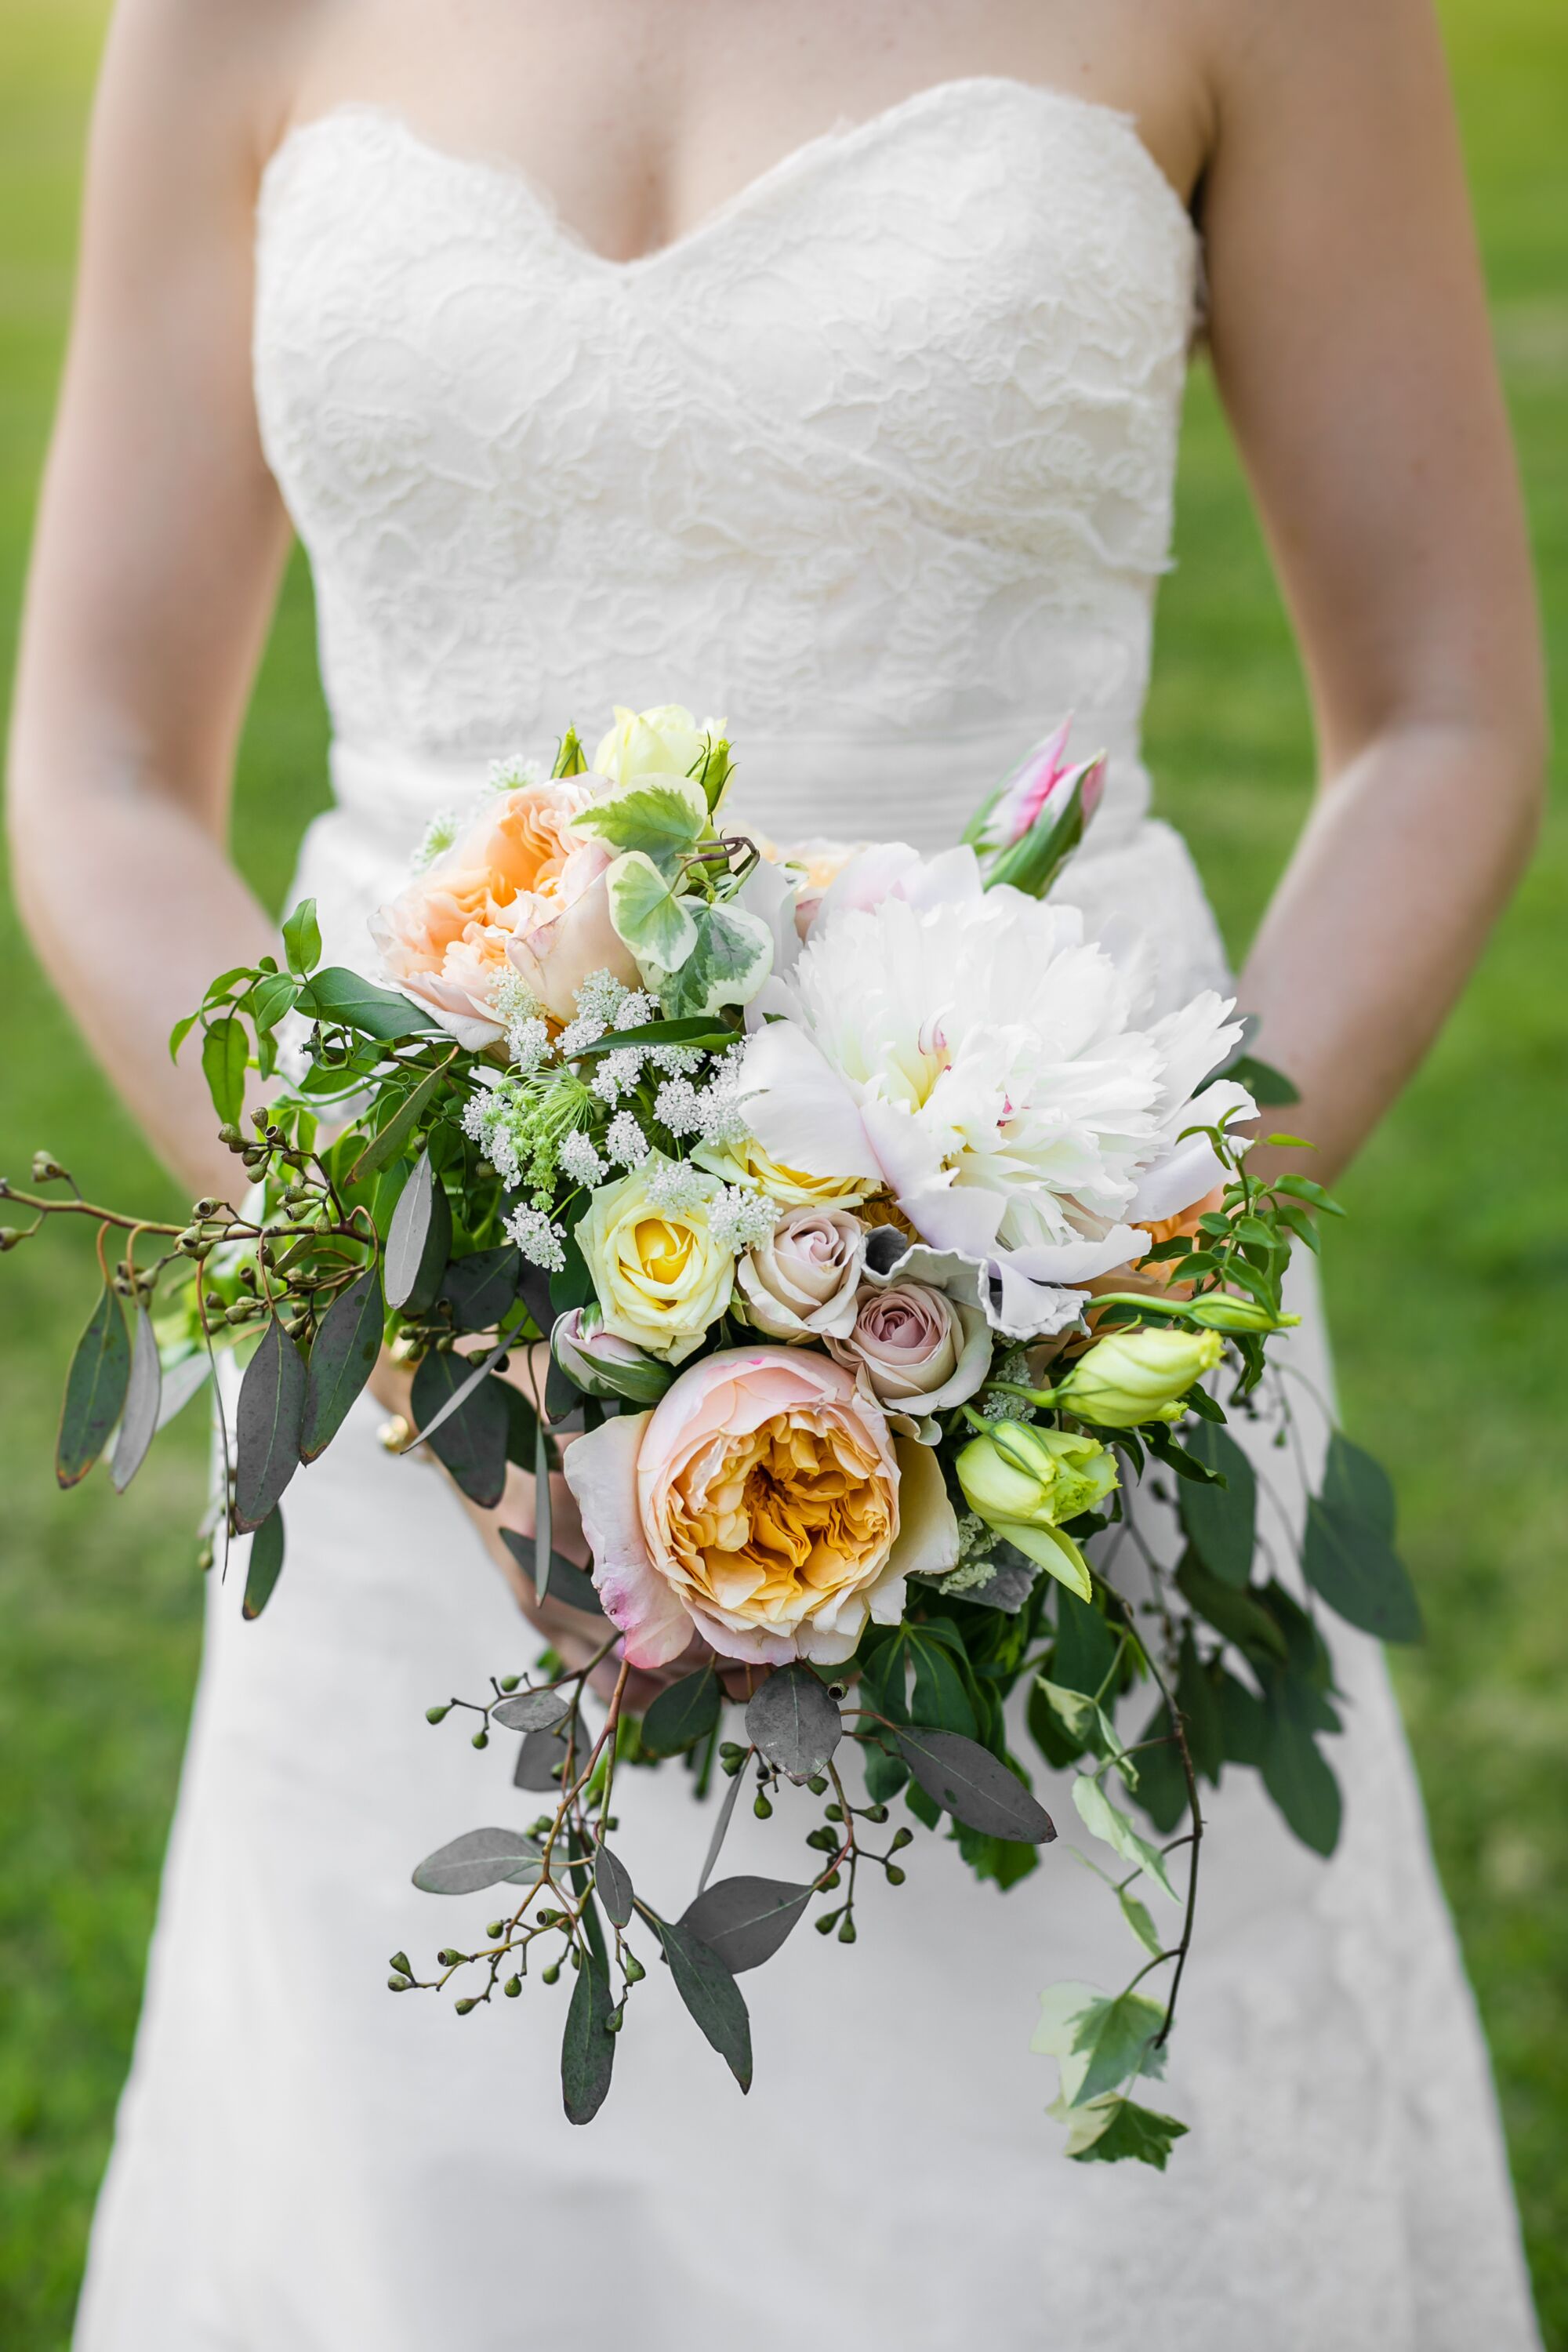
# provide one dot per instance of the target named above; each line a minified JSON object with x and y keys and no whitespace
{"x":139,"y":1418}
{"x":938,"y":1696}
{"x":1131,"y":2131}
{"x":1085,"y":1644}
{"x":1221,"y":1521}
{"x":1057,"y":1744}
{"x":794,"y":1722}
{"x":343,"y":1357}
{"x":1199,"y":1701}
{"x":1161,"y":1784}
{"x":341,"y":996}
{"x":683,"y":1713}
{"x":1239,"y":1616}
{"x":1358,"y":1486}
{"x":695,"y":1032}
{"x":1359,"y":1573}
{"x":389,"y":1140}
{"x":225,"y":1053}
{"x":972,"y":1785}
{"x":531,"y":1710}
{"x":470,"y":1442}
{"x":522,"y":1429}
{"x":745,"y":1920}
{"x":267,"y":1425}
{"x":611,"y":1880}
{"x":302,"y":938}
{"x":1294,"y":1771}
{"x":1117,"y":2037}
{"x":567,"y":1582}
{"x":1002,"y":1860}
{"x":1268,"y":1087}
{"x":544,"y":1514}
{"x":273,"y":996}
{"x":179,"y":1032}
{"x":710,"y":1993}
{"x":265,"y":1566}
{"x":481,"y":1288}
{"x":885,"y":1773}
{"x":571,"y":1284}
{"x":479,"y":1858}
{"x":419,"y":1241}
{"x":1244,"y":1724}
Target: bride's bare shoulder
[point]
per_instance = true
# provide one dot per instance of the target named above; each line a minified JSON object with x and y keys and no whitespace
{"x":219,"y":73}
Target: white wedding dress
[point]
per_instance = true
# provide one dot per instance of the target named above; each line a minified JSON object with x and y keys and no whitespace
{"x":877,"y":463}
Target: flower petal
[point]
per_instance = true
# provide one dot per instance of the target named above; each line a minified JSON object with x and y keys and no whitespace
{"x":601,"y":1470}
{"x":799,"y":1110}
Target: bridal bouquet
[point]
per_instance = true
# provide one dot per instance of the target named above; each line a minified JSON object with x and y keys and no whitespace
{"x":785,"y":1204}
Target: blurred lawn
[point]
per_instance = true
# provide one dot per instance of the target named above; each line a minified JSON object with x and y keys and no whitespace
{"x":1445,"y":1284}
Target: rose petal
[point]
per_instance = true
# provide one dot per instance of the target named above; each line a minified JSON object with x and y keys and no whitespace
{"x":600,"y":1469}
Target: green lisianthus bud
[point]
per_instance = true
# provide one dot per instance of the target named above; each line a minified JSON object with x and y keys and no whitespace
{"x":1133,"y":1375}
{"x":1224,"y":1310}
{"x":1025,"y":1481}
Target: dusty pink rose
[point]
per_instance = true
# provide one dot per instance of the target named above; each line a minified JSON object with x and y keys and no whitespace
{"x":764,"y":1504}
{"x":520,"y":891}
{"x":917,"y":1351}
{"x":801,"y":1282}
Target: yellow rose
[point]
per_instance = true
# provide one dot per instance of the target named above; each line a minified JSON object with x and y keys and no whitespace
{"x":747,"y":1164}
{"x":664,"y":741}
{"x":659,"y":1275}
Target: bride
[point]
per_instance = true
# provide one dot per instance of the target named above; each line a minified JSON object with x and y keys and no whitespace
{"x":817,"y":361}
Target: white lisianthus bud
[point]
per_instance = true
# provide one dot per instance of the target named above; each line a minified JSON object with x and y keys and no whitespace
{"x":601,"y":1364}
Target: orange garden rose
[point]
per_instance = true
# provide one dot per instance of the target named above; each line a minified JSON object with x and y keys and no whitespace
{"x":520,"y":892}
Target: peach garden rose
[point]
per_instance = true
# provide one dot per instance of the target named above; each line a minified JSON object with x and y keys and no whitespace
{"x":763,"y":1504}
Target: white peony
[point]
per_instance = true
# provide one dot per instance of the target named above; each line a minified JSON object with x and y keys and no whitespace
{"x":979,"y":1055}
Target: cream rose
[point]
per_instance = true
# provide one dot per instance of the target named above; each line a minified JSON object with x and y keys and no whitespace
{"x":921,"y":1352}
{"x":763,"y":1503}
{"x":660,"y":1276}
{"x":801,"y":1282}
{"x":663,"y":742}
{"x":519,"y":891}
{"x":747,"y":1163}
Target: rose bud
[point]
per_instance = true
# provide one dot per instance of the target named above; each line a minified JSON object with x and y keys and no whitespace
{"x":802,"y":1281}
{"x":1133,"y":1375}
{"x":602,"y":1365}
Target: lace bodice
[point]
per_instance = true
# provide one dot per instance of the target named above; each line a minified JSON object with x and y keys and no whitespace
{"x":880,"y":455}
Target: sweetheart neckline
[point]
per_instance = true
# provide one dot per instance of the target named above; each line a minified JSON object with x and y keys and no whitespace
{"x":795,"y":163}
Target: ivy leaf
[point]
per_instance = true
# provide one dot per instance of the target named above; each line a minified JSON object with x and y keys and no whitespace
{"x":713,"y":1998}
{"x":1359,"y":1573}
{"x":342,"y":997}
{"x":419,"y":1241}
{"x":343,"y":1357}
{"x":479,"y":1858}
{"x":303,"y":939}
{"x":683,"y":1713}
{"x":587,"y":2045}
{"x":531,"y":1710}
{"x":138,"y":1420}
{"x":1097,"y":2044}
{"x":224,"y":1055}
{"x":267,"y":1426}
{"x":660,"y":819}
{"x":731,"y":957}
{"x":656,"y":924}
{"x":794,"y":1722}
{"x":967,"y":1781}
{"x":1113,"y":2129}
{"x":1141,"y":1920}
{"x":745,"y":1920}
{"x":1104,"y":1820}
{"x":1221,"y":1522}
{"x":265,"y":1566}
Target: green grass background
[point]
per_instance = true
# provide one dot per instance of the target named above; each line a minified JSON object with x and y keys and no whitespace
{"x":1447,"y":1284}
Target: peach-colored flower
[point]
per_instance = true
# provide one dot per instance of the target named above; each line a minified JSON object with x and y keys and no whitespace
{"x":763,"y":1503}
{"x":521,"y":890}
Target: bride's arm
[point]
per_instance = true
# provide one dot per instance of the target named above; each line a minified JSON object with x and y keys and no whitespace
{"x":1351,"y":348}
{"x":160,"y":539}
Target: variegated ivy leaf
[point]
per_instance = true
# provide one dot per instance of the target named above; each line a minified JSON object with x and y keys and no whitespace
{"x":661,"y":817}
{"x":1109,"y":1822}
{"x":658,"y":928}
{"x":732,"y":956}
{"x":1097,"y":2042}
{"x":1086,"y":1720}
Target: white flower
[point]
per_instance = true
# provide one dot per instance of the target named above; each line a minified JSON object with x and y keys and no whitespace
{"x":738,"y":1219}
{"x":975,"y":1052}
{"x":581,"y":1160}
{"x":675,"y":1184}
{"x":537,"y":1238}
{"x":617,"y":1074}
{"x":625,"y":1140}
{"x":678,"y":1106}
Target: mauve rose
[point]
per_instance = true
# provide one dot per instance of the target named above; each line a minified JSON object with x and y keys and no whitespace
{"x":801,"y":1282}
{"x":919,"y":1351}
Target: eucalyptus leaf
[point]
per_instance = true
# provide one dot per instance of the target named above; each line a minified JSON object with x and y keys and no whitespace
{"x":1359,"y":1573}
{"x":792,"y":1721}
{"x":967,"y":1781}
{"x":139,"y":1419}
{"x":711,"y":1995}
{"x":745,"y":1920}
{"x":265,"y":1565}
{"x":343,"y":1357}
{"x":613,"y":1884}
{"x":1221,"y":1522}
{"x":464,"y":1421}
{"x":389,"y":1140}
{"x":419,"y":1241}
{"x":481,"y":1288}
{"x":588,"y":2046}
{"x":182,"y":1381}
{"x":267,"y":1425}
{"x":567,"y":1582}
{"x":531,"y":1710}
{"x":539,"y":1761}
{"x":684,"y":1713}
{"x":491,"y":1857}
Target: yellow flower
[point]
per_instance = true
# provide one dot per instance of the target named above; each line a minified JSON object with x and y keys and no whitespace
{"x":1024,"y":1481}
{"x":793,"y":1188}
{"x":659,"y":1275}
